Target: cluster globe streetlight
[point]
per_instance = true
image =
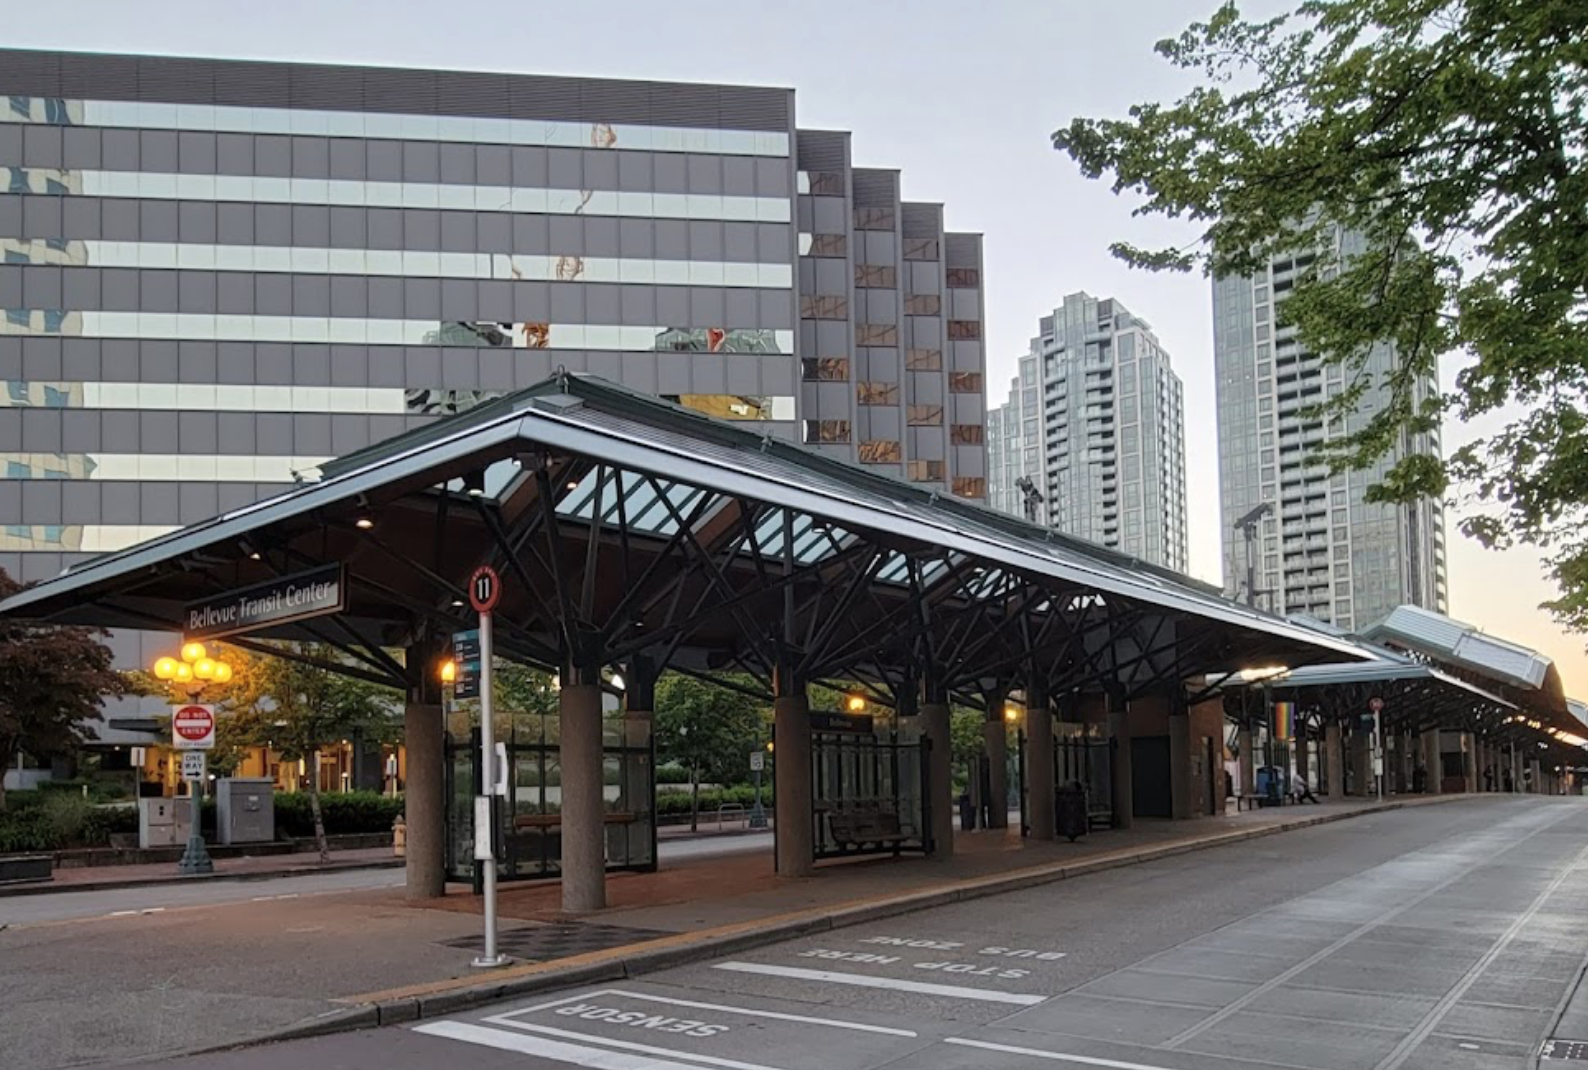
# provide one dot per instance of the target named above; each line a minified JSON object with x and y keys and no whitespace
{"x":192,"y":673}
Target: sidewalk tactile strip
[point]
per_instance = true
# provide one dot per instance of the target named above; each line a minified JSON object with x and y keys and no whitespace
{"x":543,"y":943}
{"x":1565,"y":1050}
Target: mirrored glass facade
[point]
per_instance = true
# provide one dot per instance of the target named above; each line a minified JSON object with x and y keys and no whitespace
{"x":215,"y":276}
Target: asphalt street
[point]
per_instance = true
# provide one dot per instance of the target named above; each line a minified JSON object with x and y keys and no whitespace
{"x":1442,"y":937}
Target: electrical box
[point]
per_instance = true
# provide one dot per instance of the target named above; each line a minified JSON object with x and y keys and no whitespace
{"x":163,"y":822}
{"x":245,"y":810}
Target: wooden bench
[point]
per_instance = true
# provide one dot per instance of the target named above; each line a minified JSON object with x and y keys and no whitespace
{"x":865,"y":828}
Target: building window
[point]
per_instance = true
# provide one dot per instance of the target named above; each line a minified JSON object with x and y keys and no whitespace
{"x":822,"y":183}
{"x":53,"y":319}
{"x":964,"y":330}
{"x":920,"y":248}
{"x":18,"y":391}
{"x":963,"y":278}
{"x":19,"y":531}
{"x":824,"y":369}
{"x":926,"y":415}
{"x":880,"y":451}
{"x":55,"y":112}
{"x":964,"y":382}
{"x":824,"y":307}
{"x":710,"y":340}
{"x":55,"y":188}
{"x":824,"y":245}
{"x":16,"y":256}
{"x":876,"y":334}
{"x":967,"y":434}
{"x":18,"y":182}
{"x":55,"y":398}
{"x":970,"y":486}
{"x":877,"y":393}
{"x":923,"y":304}
{"x":923,"y":360}
{"x":19,"y":317}
{"x":875,"y":276}
{"x":18,"y":470}
{"x":874,"y":219}
{"x":826,"y":431}
{"x":926,"y":471}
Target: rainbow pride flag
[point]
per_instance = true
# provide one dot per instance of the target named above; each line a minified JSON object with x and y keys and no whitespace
{"x":1284,"y":720}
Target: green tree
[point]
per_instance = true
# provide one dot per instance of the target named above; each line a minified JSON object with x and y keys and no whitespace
{"x":52,"y":681}
{"x":1454,"y":135}
{"x":707,"y":729}
{"x":296,"y":708}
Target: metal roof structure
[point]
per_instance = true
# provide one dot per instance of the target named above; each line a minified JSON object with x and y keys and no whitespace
{"x":628,"y":527}
{"x":1447,"y":640}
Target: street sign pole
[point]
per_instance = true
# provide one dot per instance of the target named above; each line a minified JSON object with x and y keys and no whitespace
{"x":193,"y":729}
{"x":1377,"y":706}
{"x":485,"y":589}
{"x":758,"y":814}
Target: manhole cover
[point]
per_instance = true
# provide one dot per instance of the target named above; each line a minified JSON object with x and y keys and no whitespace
{"x":1565,"y":1050}
{"x":542,"y":943}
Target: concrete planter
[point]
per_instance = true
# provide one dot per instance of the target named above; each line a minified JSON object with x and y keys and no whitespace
{"x":26,"y":869}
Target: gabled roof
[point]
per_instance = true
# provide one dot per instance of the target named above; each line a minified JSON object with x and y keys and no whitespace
{"x":584,"y":417}
{"x":1447,"y":639}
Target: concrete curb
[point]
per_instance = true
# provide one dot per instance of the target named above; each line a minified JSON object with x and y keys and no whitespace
{"x":616,"y":964}
{"x":151,"y":882}
{"x":439,"y":998}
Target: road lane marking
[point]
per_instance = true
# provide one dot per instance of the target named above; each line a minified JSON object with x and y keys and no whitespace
{"x":510,"y":1017}
{"x":1431,"y":1020}
{"x":1402,"y":906}
{"x":577,"y":1054}
{"x":860,"y":980}
{"x":1055,"y":1056}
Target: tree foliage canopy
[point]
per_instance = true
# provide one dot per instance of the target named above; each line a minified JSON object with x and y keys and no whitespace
{"x":707,"y":729}
{"x":1454,"y":135}
{"x":52,"y":681}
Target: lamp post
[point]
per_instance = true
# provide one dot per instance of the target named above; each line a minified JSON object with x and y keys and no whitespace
{"x":192,"y":674}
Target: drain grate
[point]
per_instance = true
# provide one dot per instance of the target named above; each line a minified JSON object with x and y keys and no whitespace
{"x":543,"y":943}
{"x":1565,"y":1050}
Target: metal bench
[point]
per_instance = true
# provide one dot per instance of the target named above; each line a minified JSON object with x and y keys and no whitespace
{"x":856,"y":829}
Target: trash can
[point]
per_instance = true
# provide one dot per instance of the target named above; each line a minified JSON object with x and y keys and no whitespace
{"x":967,"y":813}
{"x":1070,"y":815}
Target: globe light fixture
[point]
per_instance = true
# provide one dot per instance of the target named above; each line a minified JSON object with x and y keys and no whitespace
{"x":191,"y":652}
{"x":165,"y":669}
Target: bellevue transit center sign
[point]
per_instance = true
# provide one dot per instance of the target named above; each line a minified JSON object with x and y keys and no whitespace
{"x":314,"y":593}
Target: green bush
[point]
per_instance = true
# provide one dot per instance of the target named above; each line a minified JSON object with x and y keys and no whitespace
{"x":344,"y":813}
{"x":677,"y":802}
{"x":60,"y":820}
{"x":672,"y":774}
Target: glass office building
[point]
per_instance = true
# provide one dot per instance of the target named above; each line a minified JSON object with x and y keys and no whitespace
{"x":219,"y":274}
{"x":1319,"y":548}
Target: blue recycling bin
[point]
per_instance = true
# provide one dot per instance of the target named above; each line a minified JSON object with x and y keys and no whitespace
{"x":1271,"y":785}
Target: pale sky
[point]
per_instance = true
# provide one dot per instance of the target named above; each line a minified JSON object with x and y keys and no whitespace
{"x":960,"y":96}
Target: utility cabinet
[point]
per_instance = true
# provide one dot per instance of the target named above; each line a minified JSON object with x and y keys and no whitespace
{"x":245,"y":810}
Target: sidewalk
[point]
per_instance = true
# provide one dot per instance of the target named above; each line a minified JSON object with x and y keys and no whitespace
{"x":99,"y":878}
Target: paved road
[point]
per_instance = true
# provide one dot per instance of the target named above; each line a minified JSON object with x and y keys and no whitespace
{"x":151,"y":900}
{"x":1429,"y":937}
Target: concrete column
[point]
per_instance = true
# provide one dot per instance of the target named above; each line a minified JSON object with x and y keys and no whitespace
{"x":995,"y":741}
{"x":1039,"y":762}
{"x":584,"y":862}
{"x":1433,"y":764}
{"x":796,"y":836}
{"x":1119,"y":732}
{"x":1248,"y":760}
{"x":936,"y":725}
{"x":1361,"y":763}
{"x":1334,"y":760}
{"x":1180,"y":784}
{"x":1469,"y":761}
{"x":424,"y":801}
{"x":1536,"y":767}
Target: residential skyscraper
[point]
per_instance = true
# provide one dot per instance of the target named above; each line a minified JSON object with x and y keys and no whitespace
{"x":1014,"y":448}
{"x":1110,"y":433}
{"x":1316,"y":546}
